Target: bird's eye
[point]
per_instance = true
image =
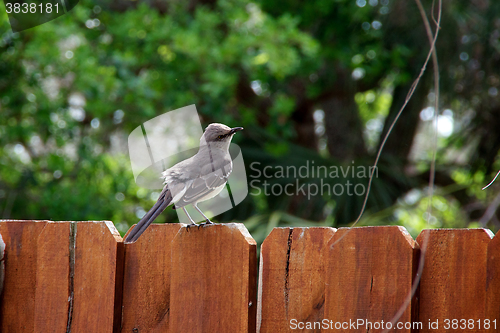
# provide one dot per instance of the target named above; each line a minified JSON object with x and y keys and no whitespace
{"x":219,"y":137}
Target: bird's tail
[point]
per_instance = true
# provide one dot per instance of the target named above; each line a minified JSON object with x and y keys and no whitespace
{"x":163,"y":201}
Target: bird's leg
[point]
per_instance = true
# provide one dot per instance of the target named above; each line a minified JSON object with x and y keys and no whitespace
{"x":206,"y":218}
{"x":192,"y":224}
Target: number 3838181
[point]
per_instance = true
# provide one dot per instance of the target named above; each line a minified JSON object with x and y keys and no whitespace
{"x":32,"y":8}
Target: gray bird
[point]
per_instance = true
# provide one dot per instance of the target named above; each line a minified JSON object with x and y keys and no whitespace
{"x":195,"y":179}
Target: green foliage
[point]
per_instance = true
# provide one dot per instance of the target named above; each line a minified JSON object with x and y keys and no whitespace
{"x":71,"y":90}
{"x":73,"y":87}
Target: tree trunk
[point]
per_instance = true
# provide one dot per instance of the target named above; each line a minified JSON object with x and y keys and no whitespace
{"x":343,"y":127}
{"x":399,"y":143}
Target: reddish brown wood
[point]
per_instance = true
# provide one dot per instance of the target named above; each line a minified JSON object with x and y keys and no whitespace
{"x":204,"y":280}
{"x":369,"y":277}
{"x":213,"y":280}
{"x":52,"y":272}
{"x":40,"y":259}
{"x":95,"y":272}
{"x":454,"y":277}
{"x":292,"y":277}
{"x":2,"y":264}
{"x":493,"y":282}
{"x":146,"y":284}
{"x":18,"y":299}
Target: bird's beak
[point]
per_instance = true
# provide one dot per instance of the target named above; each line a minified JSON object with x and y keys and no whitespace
{"x":235,"y":129}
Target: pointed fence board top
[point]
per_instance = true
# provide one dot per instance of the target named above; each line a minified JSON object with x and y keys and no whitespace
{"x":453,"y":281}
{"x":369,"y":276}
{"x":60,"y":276}
{"x":79,"y":276}
{"x":292,"y":277}
{"x":18,"y":299}
{"x":213,"y":280}
{"x":146,"y":280}
{"x":95,"y":276}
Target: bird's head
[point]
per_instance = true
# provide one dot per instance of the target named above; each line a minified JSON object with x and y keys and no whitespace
{"x":218,"y":135}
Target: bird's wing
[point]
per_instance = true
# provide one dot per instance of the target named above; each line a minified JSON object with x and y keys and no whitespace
{"x":204,"y":185}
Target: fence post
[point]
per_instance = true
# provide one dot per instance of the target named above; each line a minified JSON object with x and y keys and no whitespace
{"x":454,"y":279}
{"x":369,"y":277}
{"x":213,"y":281}
{"x":146,"y":280}
{"x":58,"y":276}
{"x":292,"y":277}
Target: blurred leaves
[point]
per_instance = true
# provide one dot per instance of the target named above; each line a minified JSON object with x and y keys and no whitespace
{"x":72,"y":89}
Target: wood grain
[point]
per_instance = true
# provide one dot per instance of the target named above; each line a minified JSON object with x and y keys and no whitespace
{"x":94,"y":280}
{"x":79,"y":276}
{"x":56,"y":279}
{"x":146,"y":280}
{"x":493,"y":282}
{"x":2,"y":264}
{"x":292,"y":277}
{"x":213,"y":281}
{"x":453,"y":284}
{"x":52,"y":276}
{"x":369,"y":277}
{"x":18,"y":298}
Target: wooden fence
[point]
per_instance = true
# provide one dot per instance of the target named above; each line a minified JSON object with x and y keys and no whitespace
{"x":80,"y":277}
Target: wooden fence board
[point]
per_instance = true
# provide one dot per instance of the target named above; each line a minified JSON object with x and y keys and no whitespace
{"x":94,"y":280}
{"x":213,"y":282}
{"x":61,"y":275}
{"x":146,"y":280}
{"x":2,"y":265}
{"x":52,"y":274}
{"x":18,"y":298}
{"x":56,"y":279}
{"x":454,"y":277}
{"x":493,"y":282}
{"x":292,"y":277}
{"x":369,"y":277}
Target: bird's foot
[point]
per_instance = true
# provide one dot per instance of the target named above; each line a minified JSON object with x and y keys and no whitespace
{"x":192,"y":224}
{"x":205,"y":224}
